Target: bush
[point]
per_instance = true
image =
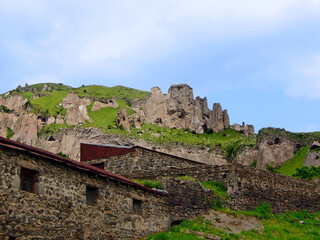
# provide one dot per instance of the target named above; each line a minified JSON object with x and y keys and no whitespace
{"x":63,"y":154}
{"x":209,"y":131}
{"x":217,"y":204}
{"x":270,"y":168}
{"x":5,"y":109}
{"x":307,"y":172}
{"x":10,"y":133}
{"x":254,"y":164}
{"x":263,"y":210}
{"x":149,"y":183}
{"x":218,"y":187}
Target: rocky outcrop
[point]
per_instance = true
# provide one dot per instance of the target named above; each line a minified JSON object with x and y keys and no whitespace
{"x":46,"y":88}
{"x":109,"y":103}
{"x":13,"y":102}
{"x":247,"y":130}
{"x":25,"y":126}
{"x":179,"y":109}
{"x":274,"y":152}
{"x":76,"y":109}
{"x":68,"y":141}
{"x":247,"y":156}
{"x":313,"y":155}
{"x":123,"y":118}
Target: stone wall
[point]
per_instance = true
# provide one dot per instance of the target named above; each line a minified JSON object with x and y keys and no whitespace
{"x":143,"y":160}
{"x":187,"y":198}
{"x":248,"y":187}
{"x":58,"y":208}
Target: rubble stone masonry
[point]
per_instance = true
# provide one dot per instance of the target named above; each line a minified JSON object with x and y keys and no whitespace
{"x":58,"y":207}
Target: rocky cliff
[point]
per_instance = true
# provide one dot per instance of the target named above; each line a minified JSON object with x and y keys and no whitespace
{"x":68,"y":141}
{"x":22,"y":121}
{"x":313,"y":155}
{"x":179,"y":109}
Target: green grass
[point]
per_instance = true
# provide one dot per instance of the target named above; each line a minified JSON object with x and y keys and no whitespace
{"x":219,"y":188}
{"x":55,"y":86}
{"x":229,"y":140}
{"x":285,"y":226}
{"x":53,"y":128}
{"x":120,"y":92}
{"x":10,"y":133}
{"x":49,"y":103}
{"x":188,"y":178}
{"x":28,"y":95}
{"x":148,"y":183}
{"x":289,"y":167}
{"x":167,"y":136}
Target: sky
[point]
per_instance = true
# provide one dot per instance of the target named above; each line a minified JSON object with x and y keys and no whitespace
{"x":259,"y":59}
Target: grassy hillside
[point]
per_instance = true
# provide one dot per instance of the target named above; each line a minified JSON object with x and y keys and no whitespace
{"x":105,"y":118}
{"x":119,"y":92}
{"x":290,"y":225}
{"x":289,"y":167}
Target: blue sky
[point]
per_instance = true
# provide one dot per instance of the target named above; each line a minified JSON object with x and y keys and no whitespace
{"x":259,"y":59}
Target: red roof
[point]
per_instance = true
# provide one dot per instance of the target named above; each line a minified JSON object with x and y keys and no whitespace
{"x":77,"y":165}
{"x":90,"y":151}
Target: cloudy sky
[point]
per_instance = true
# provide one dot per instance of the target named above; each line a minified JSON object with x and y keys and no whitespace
{"x":259,"y":59}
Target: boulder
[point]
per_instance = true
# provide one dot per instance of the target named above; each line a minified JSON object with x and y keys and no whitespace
{"x":76,"y":109}
{"x":123,"y":118}
{"x":109,"y":103}
{"x":274,"y":152}
{"x":46,"y":88}
{"x":313,"y":155}
{"x":13,"y":102}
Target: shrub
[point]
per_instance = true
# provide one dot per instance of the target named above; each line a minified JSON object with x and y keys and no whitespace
{"x":217,"y":204}
{"x":149,"y":183}
{"x":209,"y":131}
{"x":5,"y":109}
{"x":10,"y":133}
{"x":307,"y":172}
{"x":263,"y":210}
{"x":27,"y":105}
{"x":218,"y":187}
{"x":270,"y":168}
{"x":254,"y":164}
{"x":63,"y":154}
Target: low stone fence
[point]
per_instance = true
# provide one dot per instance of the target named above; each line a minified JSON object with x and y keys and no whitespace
{"x":248,"y":187}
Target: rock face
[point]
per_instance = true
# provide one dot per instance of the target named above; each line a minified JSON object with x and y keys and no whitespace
{"x":68,"y":141}
{"x":247,"y":156}
{"x":247,"y":130}
{"x":178,"y":109}
{"x":274,"y":152}
{"x":109,"y":103}
{"x":14,"y":102}
{"x":123,"y":118}
{"x":313,"y":155}
{"x":76,"y":109}
{"x":25,"y":126}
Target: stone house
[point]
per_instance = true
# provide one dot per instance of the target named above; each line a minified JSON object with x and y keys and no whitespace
{"x":246,"y":186}
{"x":46,"y":196}
{"x":132,"y":161}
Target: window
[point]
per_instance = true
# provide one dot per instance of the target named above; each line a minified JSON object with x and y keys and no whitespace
{"x":91,"y":195}
{"x":137,"y":206}
{"x":27,"y":180}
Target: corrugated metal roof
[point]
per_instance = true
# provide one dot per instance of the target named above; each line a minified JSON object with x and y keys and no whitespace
{"x":77,"y":165}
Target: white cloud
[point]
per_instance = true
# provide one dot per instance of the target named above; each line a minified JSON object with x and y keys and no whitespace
{"x":307,"y":80}
{"x":116,"y":36}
